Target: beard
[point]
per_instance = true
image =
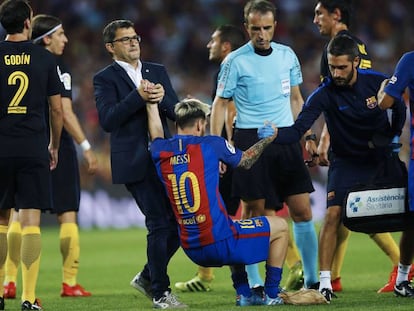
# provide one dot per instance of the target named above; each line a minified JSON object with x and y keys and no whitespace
{"x":344,"y":81}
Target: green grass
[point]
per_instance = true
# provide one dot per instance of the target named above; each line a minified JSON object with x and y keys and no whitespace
{"x":110,"y":258}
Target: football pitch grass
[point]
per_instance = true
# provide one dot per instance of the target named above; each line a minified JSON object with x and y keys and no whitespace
{"x":110,"y":258}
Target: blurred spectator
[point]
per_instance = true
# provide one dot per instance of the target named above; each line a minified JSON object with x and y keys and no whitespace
{"x":174,"y":33}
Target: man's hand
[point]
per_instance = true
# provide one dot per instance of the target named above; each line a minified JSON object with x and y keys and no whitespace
{"x":381,"y":93}
{"x":53,"y":153}
{"x":150,"y":92}
{"x":91,"y":160}
{"x":310,"y":146}
{"x":267,"y":130}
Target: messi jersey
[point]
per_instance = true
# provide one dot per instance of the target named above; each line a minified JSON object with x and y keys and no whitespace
{"x":402,"y":78}
{"x":28,"y":76}
{"x":188,"y":168}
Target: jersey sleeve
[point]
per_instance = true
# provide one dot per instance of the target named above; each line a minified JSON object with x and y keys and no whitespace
{"x":401,"y":77}
{"x":54,"y":85}
{"x":66,"y":79}
{"x":296,"y":77}
{"x":227,"y":79}
{"x":225,"y":152}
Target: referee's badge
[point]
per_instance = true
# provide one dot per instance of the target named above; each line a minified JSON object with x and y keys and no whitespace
{"x":371,"y":102}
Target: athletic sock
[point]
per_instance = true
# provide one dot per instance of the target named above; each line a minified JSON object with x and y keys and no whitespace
{"x":253,"y":275}
{"x":14,"y":242}
{"x":240,"y":283}
{"x":292,"y":255}
{"x":272,"y":282}
{"x":205,"y":273}
{"x":69,"y":248}
{"x":307,"y":242}
{"x":340,"y":251}
{"x":402,"y":275}
{"x":30,"y":261}
{"x":325,"y":279}
{"x":3,"y":255}
{"x":387,"y":244}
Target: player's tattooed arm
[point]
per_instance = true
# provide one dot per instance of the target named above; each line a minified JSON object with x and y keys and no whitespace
{"x":251,"y":155}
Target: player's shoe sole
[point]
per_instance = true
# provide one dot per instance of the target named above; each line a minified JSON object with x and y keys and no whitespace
{"x":405,"y":289}
{"x":142,"y":285}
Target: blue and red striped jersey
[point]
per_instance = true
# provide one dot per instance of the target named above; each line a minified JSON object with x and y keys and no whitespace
{"x":188,"y":166}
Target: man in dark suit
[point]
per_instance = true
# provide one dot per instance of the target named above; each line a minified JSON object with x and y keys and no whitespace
{"x":121,"y":95}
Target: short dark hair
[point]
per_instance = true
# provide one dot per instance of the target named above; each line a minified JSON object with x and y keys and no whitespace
{"x":343,"y":45}
{"x":13,"y":13}
{"x":232,"y":34}
{"x":262,"y":6}
{"x":42,"y":24}
{"x":189,"y":110}
{"x":110,"y":29}
{"x":345,"y":6}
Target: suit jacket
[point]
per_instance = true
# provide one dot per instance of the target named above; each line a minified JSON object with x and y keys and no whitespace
{"x":122,"y":113}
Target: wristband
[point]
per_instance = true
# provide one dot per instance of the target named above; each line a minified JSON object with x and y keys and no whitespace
{"x":85,"y":145}
{"x":310,"y":137}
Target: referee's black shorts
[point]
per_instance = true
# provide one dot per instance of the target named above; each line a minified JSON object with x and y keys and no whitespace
{"x":279,"y":173}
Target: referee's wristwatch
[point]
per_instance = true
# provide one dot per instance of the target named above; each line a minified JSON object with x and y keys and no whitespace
{"x":310,"y":137}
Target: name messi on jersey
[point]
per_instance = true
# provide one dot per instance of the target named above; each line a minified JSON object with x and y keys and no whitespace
{"x":180,"y":159}
{"x":16,"y":59}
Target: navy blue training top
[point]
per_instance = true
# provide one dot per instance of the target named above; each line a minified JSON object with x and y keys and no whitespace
{"x":351,"y":114}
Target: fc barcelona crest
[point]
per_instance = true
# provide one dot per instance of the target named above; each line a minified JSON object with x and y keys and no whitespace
{"x":371,"y":102}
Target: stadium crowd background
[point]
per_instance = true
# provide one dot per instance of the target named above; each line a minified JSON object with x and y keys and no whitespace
{"x":175,"y":33}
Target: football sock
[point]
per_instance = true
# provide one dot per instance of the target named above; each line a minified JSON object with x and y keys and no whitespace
{"x":69,"y":248}
{"x":272,"y":282}
{"x":292,"y":255}
{"x":30,"y":258}
{"x":205,"y":273}
{"x":253,"y":275}
{"x":3,"y":255}
{"x":240,"y":283}
{"x":14,"y":242}
{"x":340,"y":251}
{"x":325,"y":279}
{"x":307,"y":242}
{"x":386,"y":242}
{"x":402,"y":275}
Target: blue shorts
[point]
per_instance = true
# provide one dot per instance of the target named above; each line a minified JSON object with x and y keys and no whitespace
{"x":344,"y":173}
{"x":249,"y":245}
{"x":24,"y":183}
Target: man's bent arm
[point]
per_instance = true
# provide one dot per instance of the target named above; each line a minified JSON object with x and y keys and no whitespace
{"x":218,"y":115}
{"x":251,"y":155}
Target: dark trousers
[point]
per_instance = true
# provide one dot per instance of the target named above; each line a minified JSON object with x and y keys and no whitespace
{"x":162,"y":238}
